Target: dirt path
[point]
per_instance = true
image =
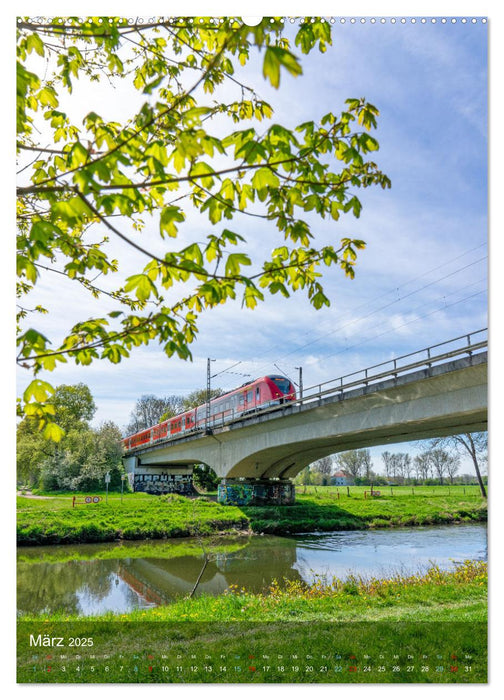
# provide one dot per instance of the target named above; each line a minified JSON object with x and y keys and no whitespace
{"x":29,"y":494}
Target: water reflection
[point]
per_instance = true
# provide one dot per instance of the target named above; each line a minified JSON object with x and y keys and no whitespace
{"x":92,"y":579}
{"x":385,"y":552}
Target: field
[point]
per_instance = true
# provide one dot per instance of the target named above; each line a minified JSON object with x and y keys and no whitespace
{"x":52,"y":520}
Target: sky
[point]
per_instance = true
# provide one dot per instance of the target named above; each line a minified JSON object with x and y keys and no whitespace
{"x":422,"y":278}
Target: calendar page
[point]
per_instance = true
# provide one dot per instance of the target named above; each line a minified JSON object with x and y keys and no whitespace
{"x":252,"y":349}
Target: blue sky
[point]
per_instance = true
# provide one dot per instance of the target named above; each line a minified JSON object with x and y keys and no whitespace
{"x":422,"y":278}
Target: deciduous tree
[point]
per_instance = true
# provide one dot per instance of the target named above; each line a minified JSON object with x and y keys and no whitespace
{"x":150,"y":409}
{"x":83,"y":182}
{"x":199,"y":397}
{"x":355,"y":462}
{"x":474,"y":444}
{"x":324,"y":467}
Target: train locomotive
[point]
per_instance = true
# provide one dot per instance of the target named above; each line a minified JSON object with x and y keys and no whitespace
{"x":265,"y":392}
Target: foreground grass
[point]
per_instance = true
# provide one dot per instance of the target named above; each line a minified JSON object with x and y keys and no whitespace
{"x":429,"y":627}
{"x":52,"y":520}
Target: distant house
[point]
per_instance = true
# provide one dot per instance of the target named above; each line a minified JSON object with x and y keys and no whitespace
{"x":342,"y":479}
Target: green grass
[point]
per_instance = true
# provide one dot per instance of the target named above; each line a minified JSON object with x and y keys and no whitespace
{"x":320,"y":508}
{"x":408,"y":627}
{"x":52,"y":520}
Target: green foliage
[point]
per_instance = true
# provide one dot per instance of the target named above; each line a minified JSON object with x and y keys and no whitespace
{"x":111,"y":176}
{"x":205,"y":477}
{"x":199,"y":397}
{"x":74,"y":405}
{"x":80,"y":457}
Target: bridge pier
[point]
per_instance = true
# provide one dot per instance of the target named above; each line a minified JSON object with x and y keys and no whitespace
{"x":256,"y":492}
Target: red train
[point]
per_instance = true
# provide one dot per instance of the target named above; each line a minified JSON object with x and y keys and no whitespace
{"x":267,"y":391}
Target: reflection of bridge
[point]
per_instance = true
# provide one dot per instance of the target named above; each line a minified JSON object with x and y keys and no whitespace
{"x":437,"y":391}
{"x":160,"y":580}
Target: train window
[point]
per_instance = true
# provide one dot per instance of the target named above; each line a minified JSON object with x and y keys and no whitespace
{"x":249,"y":396}
{"x":258,"y":393}
{"x":282,"y":383}
{"x":242,"y":398}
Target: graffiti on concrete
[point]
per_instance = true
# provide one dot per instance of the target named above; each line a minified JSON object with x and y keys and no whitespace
{"x":164,"y":483}
{"x":261,"y":492}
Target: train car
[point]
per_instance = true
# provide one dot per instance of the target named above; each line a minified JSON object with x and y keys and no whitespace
{"x":265,"y":392}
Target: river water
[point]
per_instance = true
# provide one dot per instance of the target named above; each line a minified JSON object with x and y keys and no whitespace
{"x":96,"y":578}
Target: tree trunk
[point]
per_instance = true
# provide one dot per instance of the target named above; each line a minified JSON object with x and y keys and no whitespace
{"x":472,"y":451}
{"x":478,"y":476}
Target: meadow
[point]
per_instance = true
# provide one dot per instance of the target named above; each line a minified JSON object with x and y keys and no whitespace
{"x":51,"y":519}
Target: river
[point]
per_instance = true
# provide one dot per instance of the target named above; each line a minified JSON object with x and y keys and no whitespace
{"x":96,"y":578}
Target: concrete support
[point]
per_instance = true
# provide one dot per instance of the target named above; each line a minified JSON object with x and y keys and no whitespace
{"x":256,"y":492}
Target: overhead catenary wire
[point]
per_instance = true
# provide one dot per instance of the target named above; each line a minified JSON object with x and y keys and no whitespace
{"x":354,"y":320}
{"x":395,"y":301}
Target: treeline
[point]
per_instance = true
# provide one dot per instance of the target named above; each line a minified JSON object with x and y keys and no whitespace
{"x":438,"y":463}
{"x":83,"y":456}
{"x":150,"y":409}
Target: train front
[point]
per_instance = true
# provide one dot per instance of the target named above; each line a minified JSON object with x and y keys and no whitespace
{"x":282,"y":389}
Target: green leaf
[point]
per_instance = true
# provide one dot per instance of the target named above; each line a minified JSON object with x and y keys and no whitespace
{"x":264,"y":177}
{"x":47,"y":97}
{"x":38,"y":391}
{"x":53,"y":432}
{"x":199,"y":171}
{"x":275,"y":57}
{"x":78,"y":155}
{"x":35,"y":43}
{"x":142,"y":285}
{"x":158,"y":151}
{"x":71,"y":210}
{"x":169,"y":216}
{"x":234,"y":262}
{"x":271,"y":67}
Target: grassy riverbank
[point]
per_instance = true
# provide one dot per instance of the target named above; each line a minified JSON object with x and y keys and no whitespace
{"x":53,"y":520}
{"x":434,"y":595}
{"x":401,"y":629}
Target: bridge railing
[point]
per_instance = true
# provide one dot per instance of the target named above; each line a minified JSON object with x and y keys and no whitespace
{"x":465,"y":345}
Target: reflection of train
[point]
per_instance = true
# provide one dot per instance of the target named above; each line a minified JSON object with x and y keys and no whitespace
{"x":261,"y":393}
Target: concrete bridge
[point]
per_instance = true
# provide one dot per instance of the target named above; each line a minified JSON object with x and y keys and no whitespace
{"x":410,"y":398}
